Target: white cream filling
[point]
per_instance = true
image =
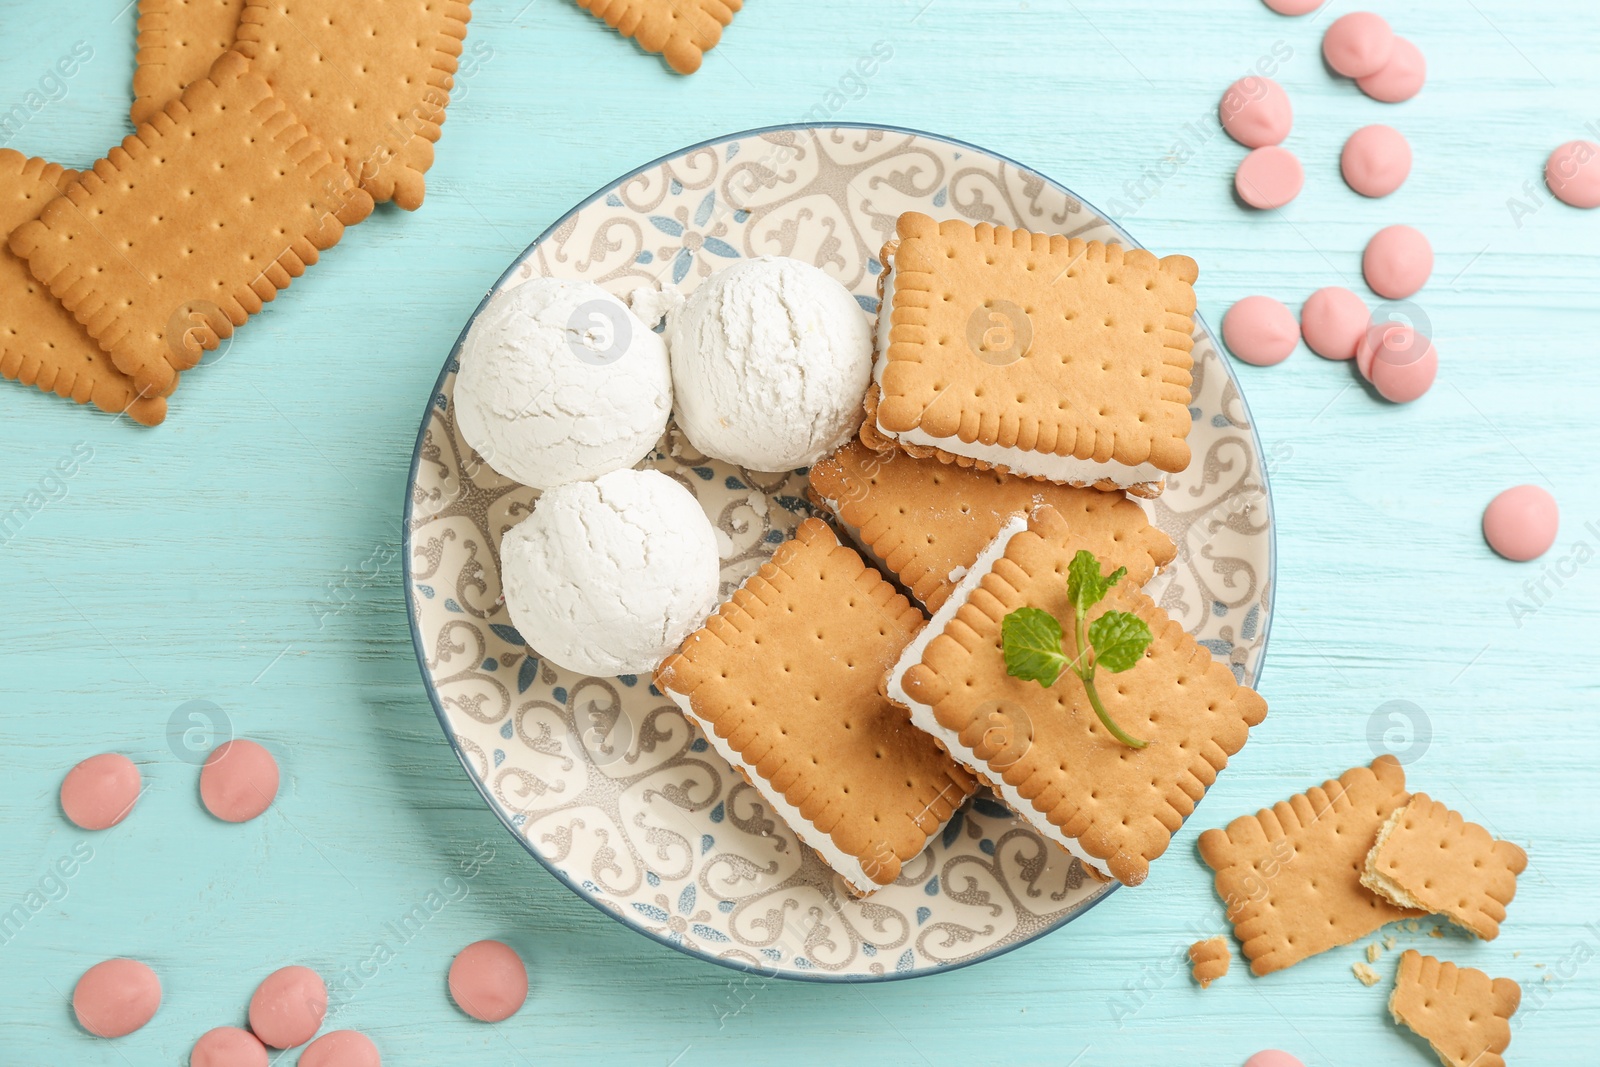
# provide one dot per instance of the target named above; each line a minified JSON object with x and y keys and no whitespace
{"x":847,"y":866}
{"x":1069,"y":470}
{"x":922,"y":715}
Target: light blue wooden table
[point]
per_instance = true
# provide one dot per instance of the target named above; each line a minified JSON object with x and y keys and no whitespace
{"x":220,"y":557}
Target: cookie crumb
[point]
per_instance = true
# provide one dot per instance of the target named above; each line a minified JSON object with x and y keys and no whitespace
{"x":1210,"y":959}
{"x":1368,"y":976}
{"x":1389,"y":942}
{"x":1373,"y":952}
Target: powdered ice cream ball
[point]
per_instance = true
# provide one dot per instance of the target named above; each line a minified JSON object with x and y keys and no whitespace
{"x":770,"y":361}
{"x":559,"y":382}
{"x":608,"y":577}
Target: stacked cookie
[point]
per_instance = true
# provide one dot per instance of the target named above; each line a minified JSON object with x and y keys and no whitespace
{"x":265,"y":127}
{"x":1022,"y":385}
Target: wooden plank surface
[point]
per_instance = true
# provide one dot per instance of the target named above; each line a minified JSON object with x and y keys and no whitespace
{"x":211,"y":559}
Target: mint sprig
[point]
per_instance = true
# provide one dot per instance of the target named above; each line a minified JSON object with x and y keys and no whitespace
{"x":1033,"y":646}
{"x":1032,"y":639}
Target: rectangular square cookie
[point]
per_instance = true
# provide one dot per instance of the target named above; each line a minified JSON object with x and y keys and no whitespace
{"x":1290,"y":875}
{"x":41,"y":344}
{"x":1463,"y":1014}
{"x":680,"y":31}
{"x":1047,"y":356}
{"x":179,"y":40}
{"x":184,"y":231}
{"x":926,"y":521}
{"x":1428,"y":857}
{"x":1044,"y":750}
{"x":784,"y":681}
{"x":371,"y":80}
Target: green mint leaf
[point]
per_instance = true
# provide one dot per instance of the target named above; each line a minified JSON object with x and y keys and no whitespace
{"x":1119,"y":639}
{"x":1085,"y":585}
{"x":1032,"y":640}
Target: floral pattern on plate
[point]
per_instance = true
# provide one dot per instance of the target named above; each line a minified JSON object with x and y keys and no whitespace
{"x":602,"y":779}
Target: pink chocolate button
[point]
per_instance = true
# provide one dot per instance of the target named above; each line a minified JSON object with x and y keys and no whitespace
{"x":342,"y":1048}
{"x":1272,"y":1058}
{"x":100,"y":792}
{"x":489,"y":981}
{"x":1397,"y":262}
{"x":1400,"y":380}
{"x":228,"y":1046}
{"x":1256,"y":112}
{"x":1521,"y":523}
{"x":1376,"y":160}
{"x":116,"y":997}
{"x":1260,"y":331}
{"x":1294,"y":7}
{"x":1401,"y":78}
{"x":238,"y":781}
{"x":1269,"y":177}
{"x":1333,"y":321}
{"x":1400,"y":363}
{"x":1358,"y":45}
{"x":288,"y":1007}
{"x":1405,"y":343}
{"x":1573,"y":173}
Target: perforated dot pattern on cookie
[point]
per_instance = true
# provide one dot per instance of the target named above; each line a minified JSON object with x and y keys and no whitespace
{"x":179,"y":40}
{"x":1290,"y":875}
{"x":371,"y":80}
{"x":1121,"y":805}
{"x":1463,"y":1014}
{"x":41,"y":344}
{"x":928,"y":521}
{"x":787,"y":673}
{"x":185,"y":229}
{"x":1106,"y":373}
{"x":1430,"y":857}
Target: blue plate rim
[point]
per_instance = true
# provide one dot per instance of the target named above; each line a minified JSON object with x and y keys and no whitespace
{"x":410,"y":584}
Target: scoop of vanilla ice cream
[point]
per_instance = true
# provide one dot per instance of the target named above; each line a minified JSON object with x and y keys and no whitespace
{"x":770,"y":361}
{"x":559,"y":382}
{"x":608,"y":577}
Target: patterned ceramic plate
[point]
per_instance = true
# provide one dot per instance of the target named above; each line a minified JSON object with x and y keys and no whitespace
{"x":602,"y":779}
